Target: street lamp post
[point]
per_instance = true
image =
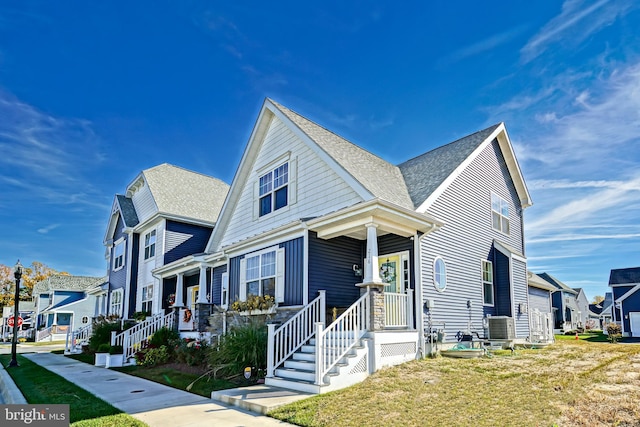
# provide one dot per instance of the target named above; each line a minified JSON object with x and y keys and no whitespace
{"x":17,"y":273}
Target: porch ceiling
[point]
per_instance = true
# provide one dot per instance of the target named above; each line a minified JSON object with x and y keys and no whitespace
{"x":390,"y":219}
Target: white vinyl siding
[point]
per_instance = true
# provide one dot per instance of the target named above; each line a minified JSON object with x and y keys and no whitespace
{"x":144,"y":203}
{"x":314,"y":188}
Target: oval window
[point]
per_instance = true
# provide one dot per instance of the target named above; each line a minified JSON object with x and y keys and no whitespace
{"x":439,"y":274}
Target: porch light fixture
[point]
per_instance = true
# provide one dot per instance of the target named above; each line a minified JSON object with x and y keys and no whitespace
{"x":357,"y":270}
{"x":17,"y":273}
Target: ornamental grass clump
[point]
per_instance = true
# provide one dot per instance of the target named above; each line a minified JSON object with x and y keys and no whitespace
{"x":244,"y":346}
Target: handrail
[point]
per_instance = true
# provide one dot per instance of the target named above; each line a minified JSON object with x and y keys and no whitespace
{"x":77,"y":337}
{"x":398,"y":309}
{"x":129,"y":339}
{"x":42,"y":334}
{"x":294,"y":333}
{"x":333,"y":343}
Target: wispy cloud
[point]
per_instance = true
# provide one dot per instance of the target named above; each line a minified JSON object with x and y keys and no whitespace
{"x":482,"y":46}
{"x":47,"y":157}
{"x":48,"y":228}
{"x":575,"y":23}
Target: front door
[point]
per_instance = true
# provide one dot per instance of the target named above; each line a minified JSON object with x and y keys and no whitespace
{"x":394,"y":272}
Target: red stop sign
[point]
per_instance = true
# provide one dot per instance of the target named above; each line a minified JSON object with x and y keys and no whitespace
{"x":10,"y":321}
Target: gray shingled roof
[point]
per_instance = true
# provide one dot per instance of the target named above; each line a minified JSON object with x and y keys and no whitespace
{"x":379,"y":177}
{"x":425,"y":173}
{"x":558,"y":284}
{"x":61,"y":282}
{"x":621,"y":276}
{"x":184,"y":193}
{"x":129,"y":215}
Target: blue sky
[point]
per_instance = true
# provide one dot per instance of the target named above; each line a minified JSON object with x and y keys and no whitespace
{"x":91,"y":93}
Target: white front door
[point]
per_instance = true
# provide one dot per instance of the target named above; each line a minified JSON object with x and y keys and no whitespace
{"x":634,"y":321}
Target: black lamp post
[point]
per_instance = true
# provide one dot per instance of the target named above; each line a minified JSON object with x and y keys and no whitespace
{"x":17,"y":273}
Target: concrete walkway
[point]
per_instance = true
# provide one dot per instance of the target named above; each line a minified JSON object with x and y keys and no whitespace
{"x":156,"y":404}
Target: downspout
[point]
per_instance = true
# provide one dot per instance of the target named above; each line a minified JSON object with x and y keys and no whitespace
{"x":417,"y":244}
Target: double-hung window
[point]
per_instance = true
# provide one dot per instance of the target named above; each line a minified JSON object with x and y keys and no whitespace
{"x":487,"y":282}
{"x":118,"y":255}
{"x":147,"y":298}
{"x":150,"y":245}
{"x":273,"y":189}
{"x":116,"y":302}
{"x":262,"y":273}
{"x":500,"y":213}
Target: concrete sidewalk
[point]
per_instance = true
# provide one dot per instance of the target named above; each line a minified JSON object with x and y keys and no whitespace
{"x":155,"y":404}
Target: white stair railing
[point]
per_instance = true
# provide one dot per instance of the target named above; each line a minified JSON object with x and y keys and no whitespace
{"x":131,"y":338}
{"x":398,"y":309}
{"x":294,"y":333}
{"x":75,"y":339}
{"x":334,"y":342}
{"x":42,"y":334}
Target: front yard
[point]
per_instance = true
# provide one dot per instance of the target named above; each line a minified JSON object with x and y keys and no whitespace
{"x":572,"y":383}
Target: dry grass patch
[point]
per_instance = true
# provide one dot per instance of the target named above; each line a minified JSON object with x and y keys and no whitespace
{"x":562,"y":385}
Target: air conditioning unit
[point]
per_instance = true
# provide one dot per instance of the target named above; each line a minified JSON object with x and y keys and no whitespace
{"x":501,"y":328}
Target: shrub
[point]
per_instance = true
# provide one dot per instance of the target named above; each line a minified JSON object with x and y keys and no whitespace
{"x":151,"y":356}
{"x":164,"y":336}
{"x":191,"y":351}
{"x":102,"y":334}
{"x":115,"y":349}
{"x":243,"y":346}
{"x":141,"y":315}
{"x":254,"y":302}
{"x":103,"y":348}
{"x":614,"y":331}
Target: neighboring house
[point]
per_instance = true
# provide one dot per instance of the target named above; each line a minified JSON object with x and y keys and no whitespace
{"x":583,"y":307}
{"x":606,"y":314}
{"x":166,"y":213}
{"x":27,"y":311}
{"x":540,"y":308}
{"x":64,"y":303}
{"x":564,"y":303}
{"x":434,"y":243}
{"x":625,"y":287}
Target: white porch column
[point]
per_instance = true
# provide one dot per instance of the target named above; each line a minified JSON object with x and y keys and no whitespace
{"x":202,"y":285}
{"x":179,"y":302}
{"x":371,"y":267}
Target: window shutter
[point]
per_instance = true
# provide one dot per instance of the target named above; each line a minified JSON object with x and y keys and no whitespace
{"x":256,"y":199}
{"x":280,"y":275}
{"x":224,"y":295}
{"x":243,"y":280}
{"x":293,"y":181}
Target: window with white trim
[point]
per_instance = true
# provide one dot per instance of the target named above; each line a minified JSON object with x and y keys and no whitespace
{"x":262,"y":273}
{"x":147,"y":298}
{"x":487,"y":283}
{"x":439,"y":274}
{"x":118,"y":255}
{"x":115,"y":306}
{"x":273,"y":189}
{"x":150,"y":245}
{"x":499,"y":213}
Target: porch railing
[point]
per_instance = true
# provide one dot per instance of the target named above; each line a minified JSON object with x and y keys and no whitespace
{"x":75,"y":339}
{"x":42,"y":334}
{"x":337,"y":339}
{"x":131,"y":338}
{"x":398,"y":309}
{"x":291,"y":335}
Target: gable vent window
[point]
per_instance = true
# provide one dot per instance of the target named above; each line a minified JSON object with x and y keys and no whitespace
{"x":500,"y":213}
{"x":274,"y":189}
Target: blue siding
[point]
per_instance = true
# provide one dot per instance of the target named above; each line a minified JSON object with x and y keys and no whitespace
{"x":216,"y":287}
{"x":133,"y":286}
{"x":192,"y":240}
{"x":118,"y":279}
{"x":502,"y":285}
{"x":168,"y":287}
{"x":519,"y":284}
{"x":331,"y":268}
{"x":234,"y":278}
{"x":630,"y":304}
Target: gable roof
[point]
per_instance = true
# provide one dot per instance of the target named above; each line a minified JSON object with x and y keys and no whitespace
{"x":183,"y":193}
{"x":128,"y":211}
{"x":445,"y":163}
{"x":382,"y":179}
{"x":622,"y":276}
{"x":557,"y":283}
{"x":440,"y":162}
{"x":62,"y":282}
{"x":538,"y":282}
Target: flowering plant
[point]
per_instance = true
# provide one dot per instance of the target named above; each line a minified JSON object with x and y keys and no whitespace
{"x":254,"y":302}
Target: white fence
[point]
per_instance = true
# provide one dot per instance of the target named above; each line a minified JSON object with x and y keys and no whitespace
{"x":131,"y":338}
{"x":398,"y":309}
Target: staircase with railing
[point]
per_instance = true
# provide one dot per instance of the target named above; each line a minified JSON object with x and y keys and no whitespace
{"x":132,"y":338}
{"x":76,"y":339}
{"x":304,"y":355}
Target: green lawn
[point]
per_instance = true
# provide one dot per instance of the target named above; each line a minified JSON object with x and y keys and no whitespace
{"x":40,"y":385}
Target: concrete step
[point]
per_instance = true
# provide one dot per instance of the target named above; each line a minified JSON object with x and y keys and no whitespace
{"x":260,"y":399}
